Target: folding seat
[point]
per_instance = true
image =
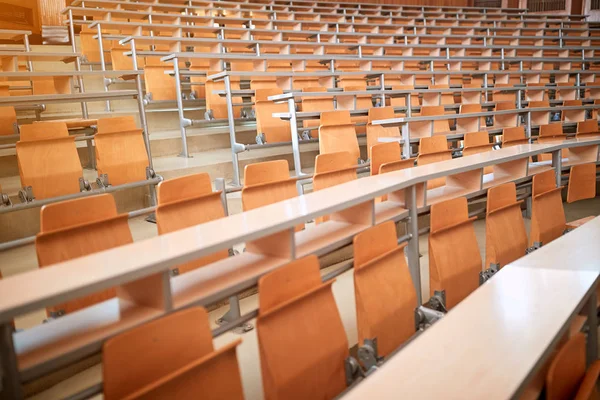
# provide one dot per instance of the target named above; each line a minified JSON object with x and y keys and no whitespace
{"x":8,"y":121}
{"x":337,"y":133}
{"x":123,"y":62}
{"x":355,"y":103}
{"x":514,"y":136}
{"x":535,"y":92}
{"x":51,"y":85}
{"x":429,"y":128}
{"x":159,"y":86}
{"x":454,"y":258}
{"x":567,"y":378}
{"x":505,"y":234}
{"x":273,"y":130}
{"x":216,"y":105}
{"x":187,"y":201}
{"x":540,"y":117}
{"x":401,"y":101}
{"x":548,"y":216}
{"x":385,"y":295}
{"x":198,"y":83}
{"x":470,"y":97}
{"x":90,"y":47}
{"x":333,"y":169}
{"x":121,"y":155}
{"x":431,"y":150}
{"x":565,"y":93}
{"x":48,"y":160}
{"x":438,"y":99}
{"x":387,"y":157}
{"x":315,"y":104}
{"x":75,"y":228}
{"x":300,"y":360}
{"x":503,"y":96}
{"x":551,"y":133}
{"x":507,"y":120}
{"x":474,"y":124}
{"x":573,"y":115}
{"x":588,"y":129}
{"x":374,"y":132}
{"x":171,"y":357}
{"x":582,"y":182}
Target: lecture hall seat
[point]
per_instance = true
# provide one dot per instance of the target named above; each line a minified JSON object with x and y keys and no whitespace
{"x":374,"y":132}
{"x":506,"y":120}
{"x":187,"y":201}
{"x":120,"y":151}
{"x":429,"y":128}
{"x":514,"y":136}
{"x":75,"y":228}
{"x":216,"y":105}
{"x":275,"y":130}
{"x":431,"y":150}
{"x":315,"y":104}
{"x":159,"y":86}
{"x":588,"y":129}
{"x":8,"y":121}
{"x":360,"y":102}
{"x":301,"y":339}
{"x":505,"y":234}
{"x":474,"y":124}
{"x":540,"y":117}
{"x":48,"y":160}
{"x":385,"y":295}
{"x":454,"y":258}
{"x":548,"y":134}
{"x":337,"y":133}
{"x":576,"y":115}
{"x":333,"y":169}
{"x":172,"y":357}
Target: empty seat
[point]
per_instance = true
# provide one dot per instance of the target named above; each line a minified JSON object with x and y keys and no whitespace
{"x":454,"y":258}
{"x":216,"y":105}
{"x":171,"y":357}
{"x":551,"y":133}
{"x":505,"y":120}
{"x":48,"y":160}
{"x":582,"y":182}
{"x":274,"y":129}
{"x":477,"y":142}
{"x":300,"y":360}
{"x":121,"y":154}
{"x":501,"y":95}
{"x":333,"y":169}
{"x":336,"y":133}
{"x":505,"y":235}
{"x":359,"y":102}
{"x":315,"y":104}
{"x":431,"y":150}
{"x":576,"y":115}
{"x":187,"y":201}
{"x":567,"y":370}
{"x":159,"y":86}
{"x":474,"y":124}
{"x":438,"y":98}
{"x":514,"y":136}
{"x":8,"y":121}
{"x":374,"y":132}
{"x":540,"y":117}
{"x":588,"y":128}
{"x":471,"y":97}
{"x":75,"y":228}
{"x":565,"y":93}
{"x":535,"y":92}
{"x":51,"y":85}
{"x":429,"y":128}
{"x":385,"y":294}
{"x":401,"y":101}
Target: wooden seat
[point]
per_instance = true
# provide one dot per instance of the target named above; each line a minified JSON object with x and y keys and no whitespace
{"x":548,"y":216}
{"x":567,"y":370}
{"x":501,"y":96}
{"x":315,"y":104}
{"x":505,"y":121}
{"x":454,"y":258}
{"x":51,"y":85}
{"x":436,"y":98}
{"x":474,"y":124}
{"x":333,"y":169}
{"x":159,"y":84}
{"x":431,"y":150}
{"x":171,"y":357}
{"x":336,"y":133}
{"x":588,"y":129}
{"x":551,"y":133}
{"x":505,"y":234}
{"x":429,"y":128}
{"x":187,"y":201}
{"x":217,"y":104}
{"x":514,"y":136}
{"x":75,"y":228}
{"x":275,"y":130}
{"x":535,"y":92}
{"x":385,"y":294}
{"x":540,"y":117}
{"x":565,"y":93}
{"x":588,"y":390}
{"x":362,"y":102}
{"x":8,"y":121}
{"x":120,"y":154}
{"x":470,"y":97}
{"x":573,"y":115}
{"x":401,"y":101}
{"x":374,"y":132}
{"x":48,"y":160}
{"x":582,"y":182}
{"x":301,"y":338}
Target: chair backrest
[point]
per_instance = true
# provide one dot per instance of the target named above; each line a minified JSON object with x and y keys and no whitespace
{"x":540,"y":117}
{"x":551,"y":131}
{"x":582,"y":182}
{"x":514,"y":136}
{"x":431,"y":150}
{"x":333,"y":169}
{"x":567,"y":369}
{"x":186,"y":201}
{"x":171,"y":357}
{"x":454,"y":258}
{"x":547,"y":216}
{"x":507,"y":120}
{"x":471,"y":97}
{"x":75,"y":228}
{"x":401,"y":101}
{"x":8,"y":121}
{"x":565,"y":93}
{"x":384,"y":153}
{"x":505,"y":234}
{"x":428,"y":128}
{"x":48,"y":160}
{"x":504,"y":96}
{"x":588,"y":390}
{"x":535,"y":92}
{"x":577,"y":115}
{"x":121,"y":155}
{"x":316,"y":103}
{"x":275,"y":129}
{"x":385,"y":294}
{"x":161,"y":85}
{"x":216,"y":103}
{"x":354,"y":102}
{"x":474,"y":124}
{"x":588,"y":128}
{"x":374,"y":132}
{"x":337,"y":133}
{"x":116,"y":124}
{"x":477,"y":142}
{"x":297,"y":360}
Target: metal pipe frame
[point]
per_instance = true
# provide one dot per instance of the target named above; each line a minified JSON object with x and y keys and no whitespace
{"x":141,"y":107}
{"x":235,"y":146}
{"x":182,"y":121}
{"x":103,"y":63}
{"x":84,"y":109}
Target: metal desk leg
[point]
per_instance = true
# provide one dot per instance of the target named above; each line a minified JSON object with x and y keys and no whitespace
{"x":294,"y":135}
{"x":592,"y":339}
{"x":84,"y":109}
{"x":141,"y":107}
{"x":183,"y":123}
{"x":557,"y":165}
{"x":406,"y":138}
{"x":412,"y":249}
{"x":11,"y":382}
{"x":103,"y":64}
{"x":235,"y":147}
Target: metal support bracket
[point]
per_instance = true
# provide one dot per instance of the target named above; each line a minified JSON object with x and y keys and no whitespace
{"x":234,"y":314}
{"x":261,"y":139}
{"x":536,"y":245}
{"x":353,"y":370}
{"x":84,"y":185}
{"x":484,"y":276}
{"x":150,"y":174}
{"x":26,"y":194}
{"x":102,"y":181}
{"x":368,"y":355}
{"x":5,"y":200}
{"x":239,"y":147}
{"x":425,"y":317}
{"x":437,"y":301}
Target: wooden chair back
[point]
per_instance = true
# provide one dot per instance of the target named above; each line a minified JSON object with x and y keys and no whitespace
{"x":315,"y":104}
{"x":337,"y":133}
{"x":470,"y":97}
{"x":216,"y":103}
{"x":431,"y":150}
{"x":374,"y":132}
{"x":161,"y":85}
{"x":333,"y":169}
{"x":547,"y":216}
{"x":43,"y":130}
{"x":275,"y":129}
{"x":51,"y":85}
{"x":535,"y":92}
{"x":588,"y":128}
{"x":582,"y":182}
{"x":573,"y":115}
{"x":116,"y":124}
{"x":297,"y":360}
{"x":429,"y":128}
{"x":500,"y":95}
{"x":75,"y":228}
{"x":540,"y":117}
{"x":567,"y":369}
{"x":474,"y":124}
{"x":551,"y":133}
{"x":588,"y":390}
{"x":187,"y":201}
{"x":565,"y":93}
{"x":401,"y":101}
{"x":385,"y":295}
{"x":508,"y":120}
{"x":505,"y":234}
{"x":8,"y":121}
{"x":438,"y":99}
{"x":171,"y":357}
{"x":514,"y":136}
{"x":454,"y":258}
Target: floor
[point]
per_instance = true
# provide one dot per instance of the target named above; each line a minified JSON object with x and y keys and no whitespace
{"x":23,"y":259}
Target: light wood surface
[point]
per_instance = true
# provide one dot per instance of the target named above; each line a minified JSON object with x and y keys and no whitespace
{"x":519,"y":347}
{"x":582,"y":182}
{"x":337,"y":133}
{"x":274,"y":129}
{"x":567,"y":369}
{"x":8,"y":120}
{"x":122,"y":156}
{"x":547,"y":213}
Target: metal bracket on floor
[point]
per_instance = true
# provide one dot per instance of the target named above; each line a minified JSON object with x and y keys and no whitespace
{"x":238,"y":148}
{"x":368,"y":355}
{"x":84,"y":185}
{"x":536,"y":245}
{"x":353,"y":370}
{"x":185,"y":122}
{"x":147,"y":98}
{"x":425,"y":317}
{"x":102,"y":181}
{"x":484,"y":276}
{"x":26,"y":194}
{"x":232,"y":315}
{"x":438,"y":301}
{"x":261,"y":139}
{"x":208,"y":115}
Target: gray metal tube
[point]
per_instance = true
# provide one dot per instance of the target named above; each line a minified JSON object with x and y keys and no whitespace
{"x":294,"y":136}
{"x":141,"y":108}
{"x":84,"y":109}
{"x":412,"y":249}
{"x":184,"y":147}
{"x":232,"y":139}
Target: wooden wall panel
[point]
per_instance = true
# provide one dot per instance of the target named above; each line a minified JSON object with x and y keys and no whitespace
{"x":50,"y":12}
{"x":20,"y":14}
{"x":457,"y":3}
